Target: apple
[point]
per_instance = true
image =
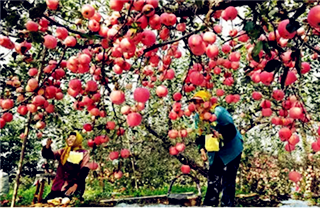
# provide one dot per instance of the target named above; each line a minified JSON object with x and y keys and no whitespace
{"x":87,"y":127}
{"x":283,"y":32}
{"x":173,"y":134}
{"x":285,"y":133}
{"x":134,"y":119}
{"x":52,"y":4}
{"x":50,"y":41}
{"x":32,"y":26}
{"x":314,"y":17}
{"x":296,"y":112}
{"x":185,"y":169}
{"x":162,"y":91}
{"x":173,"y":151}
{"x":230,"y":13}
{"x":141,"y":94}
{"x":294,"y":176}
{"x":117,"y":97}
{"x":180,"y":147}
{"x":87,"y":11}
{"x":125,"y":153}
{"x":93,"y":166}
{"x":91,"y":143}
{"x":118,"y":174}
{"x":114,"y":155}
{"x":2,"y":123}
{"x":111,"y":125}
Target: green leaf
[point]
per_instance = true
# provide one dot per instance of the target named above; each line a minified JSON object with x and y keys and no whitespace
{"x":273,"y":12}
{"x":292,"y":26}
{"x":91,"y":36}
{"x":266,"y":48}
{"x":38,"y":10}
{"x":245,"y":80}
{"x":199,"y":3}
{"x":12,"y":19}
{"x":20,"y":40}
{"x":284,"y":77}
{"x":253,"y":30}
{"x":295,"y":55}
{"x":256,"y":50}
{"x":273,"y":65}
{"x":249,"y":26}
{"x":36,"y":37}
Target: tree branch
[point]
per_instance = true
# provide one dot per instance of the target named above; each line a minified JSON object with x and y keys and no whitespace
{"x":191,"y":9}
{"x":183,"y":159}
{"x":171,"y":41}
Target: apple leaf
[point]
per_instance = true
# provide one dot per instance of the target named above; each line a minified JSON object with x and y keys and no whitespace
{"x":266,"y":48}
{"x":245,"y":80}
{"x":199,"y":3}
{"x":256,"y":50}
{"x":274,"y":45}
{"x":253,"y":30}
{"x":14,"y":55}
{"x":273,"y":65}
{"x":249,"y":26}
{"x":36,"y":37}
{"x":284,"y":77}
{"x":295,"y":55}
{"x":292,"y":26}
{"x":38,"y":10}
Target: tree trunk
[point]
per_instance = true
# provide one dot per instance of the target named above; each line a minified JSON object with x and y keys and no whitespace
{"x":26,"y":131}
{"x":16,"y":185}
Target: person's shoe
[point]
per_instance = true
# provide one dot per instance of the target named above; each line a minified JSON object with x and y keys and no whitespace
{"x":65,"y":201}
{"x":55,"y":201}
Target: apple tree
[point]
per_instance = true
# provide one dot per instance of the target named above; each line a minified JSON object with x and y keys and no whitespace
{"x":117,"y":63}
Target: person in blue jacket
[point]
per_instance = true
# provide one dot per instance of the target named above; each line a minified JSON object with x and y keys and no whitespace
{"x":223,"y":144}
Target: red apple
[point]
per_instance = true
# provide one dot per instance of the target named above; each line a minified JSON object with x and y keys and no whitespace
{"x":91,"y":143}
{"x":93,"y":166}
{"x":87,"y":11}
{"x":173,"y":151}
{"x":285,"y":133}
{"x":295,"y":176}
{"x":314,"y":17}
{"x":114,"y":155}
{"x":162,"y":91}
{"x":125,"y":153}
{"x":141,"y":95}
{"x":185,"y":169}
{"x":180,"y":147}
{"x":117,"y":97}
{"x":134,"y":119}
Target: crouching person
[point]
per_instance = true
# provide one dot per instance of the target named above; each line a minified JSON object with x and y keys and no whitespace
{"x":72,"y":170}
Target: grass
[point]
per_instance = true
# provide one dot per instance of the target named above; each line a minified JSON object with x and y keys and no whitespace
{"x":94,"y":192}
{"x":25,"y":195}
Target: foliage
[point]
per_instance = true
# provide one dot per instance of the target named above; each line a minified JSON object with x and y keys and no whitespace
{"x":10,"y":142}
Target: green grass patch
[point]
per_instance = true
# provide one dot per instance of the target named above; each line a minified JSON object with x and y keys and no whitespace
{"x":24,"y":196}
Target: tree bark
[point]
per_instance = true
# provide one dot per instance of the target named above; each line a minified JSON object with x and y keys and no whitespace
{"x":16,"y":185}
{"x":182,"y":158}
{"x":26,"y":132}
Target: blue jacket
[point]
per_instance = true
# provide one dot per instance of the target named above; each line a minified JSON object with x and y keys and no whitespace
{"x":225,"y":126}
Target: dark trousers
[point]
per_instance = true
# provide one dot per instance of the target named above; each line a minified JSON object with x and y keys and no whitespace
{"x":55,"y":194}
{"x":222,"y":178}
